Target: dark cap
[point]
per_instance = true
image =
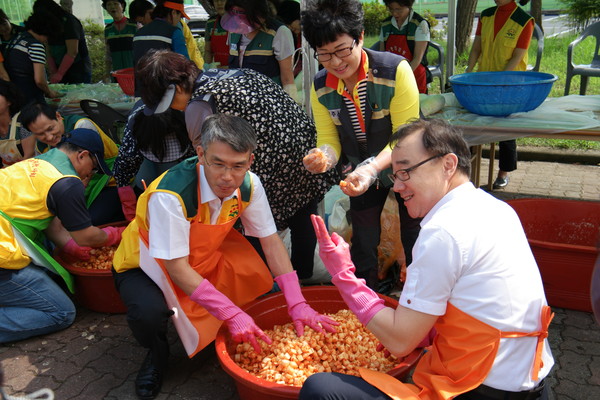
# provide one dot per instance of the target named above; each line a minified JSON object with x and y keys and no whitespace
{"x":89,"y":140}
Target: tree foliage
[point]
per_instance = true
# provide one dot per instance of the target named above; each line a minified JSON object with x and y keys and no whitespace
{"x":582,"y":12}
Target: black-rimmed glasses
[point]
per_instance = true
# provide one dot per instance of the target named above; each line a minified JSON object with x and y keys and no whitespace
{"x":404,"y":174}
{"x":340,"y":53}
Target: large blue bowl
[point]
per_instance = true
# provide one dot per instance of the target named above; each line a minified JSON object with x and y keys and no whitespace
{"x":501,"y":93}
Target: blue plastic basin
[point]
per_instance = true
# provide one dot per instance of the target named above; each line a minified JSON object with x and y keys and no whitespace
{"x":503,"y":92}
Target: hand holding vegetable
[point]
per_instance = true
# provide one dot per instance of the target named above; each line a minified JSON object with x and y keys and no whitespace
{"x":320,"y":159}
{"x":359,"y":180}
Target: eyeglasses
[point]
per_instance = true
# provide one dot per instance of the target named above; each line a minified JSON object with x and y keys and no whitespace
{"x":222,"y":168}
{"x":340,"y":53}
{"x":404,"y":174}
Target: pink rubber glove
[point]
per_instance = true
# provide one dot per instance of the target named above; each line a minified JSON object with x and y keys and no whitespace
{"x":65,"y":64}
{"x":128,"y":201}
{"x":301,"y":313}
{"x":335,"y":253}
{"x":320,"y":159}
{"x":73,"y":252}
{"x":114,"y":235}
{"x":241,"y":326}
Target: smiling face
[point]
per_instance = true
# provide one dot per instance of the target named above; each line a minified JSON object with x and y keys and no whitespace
{"x":345,"y":68}
{"x":224,"y":168}
{"x":47,"y":130}
{"x":427,"y":184}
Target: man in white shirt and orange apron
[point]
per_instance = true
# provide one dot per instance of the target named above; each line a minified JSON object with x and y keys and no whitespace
{"x":182,"y":256}
{"x":473,"y":278}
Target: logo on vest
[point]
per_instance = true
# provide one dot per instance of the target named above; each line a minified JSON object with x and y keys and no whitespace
{"x":335,"y":114}
{"x":234,"y":210}
{"x":510,"y":34}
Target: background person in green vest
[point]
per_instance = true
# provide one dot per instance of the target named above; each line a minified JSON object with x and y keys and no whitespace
{"x":359,"y":99}
{"x":260,"y":42}
{"x":407,"y":33}
{"x":49,"y":128}
{"x":32,"y":193}
{"x":118,"y":36}
{"x":501,"y":41}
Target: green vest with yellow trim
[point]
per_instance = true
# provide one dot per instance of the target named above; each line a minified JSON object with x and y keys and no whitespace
{"x":259,"y":54}
{"x":409,"y":30}
{"x":381,"y":86}
{"x":182,"y":182}
{"x":24,"y":189}
{"x":496,"y":52}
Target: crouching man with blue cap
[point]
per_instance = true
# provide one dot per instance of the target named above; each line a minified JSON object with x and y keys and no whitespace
{"x":32,"y":193}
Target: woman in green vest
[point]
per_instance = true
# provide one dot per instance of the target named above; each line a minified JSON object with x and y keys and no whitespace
{"x":501,"y":42}
{"x":407,"y":33}
{"x":260,"y":42}
{"x":359,"y":99}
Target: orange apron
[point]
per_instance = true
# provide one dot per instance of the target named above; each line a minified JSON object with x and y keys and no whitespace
{"x":399,"y":45}
{"x":223,"y":256}
{"x":459,"y":360}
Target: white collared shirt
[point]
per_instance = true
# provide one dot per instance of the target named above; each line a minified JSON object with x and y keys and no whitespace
{"x":472,"y":252}
{"x":169,"y":233}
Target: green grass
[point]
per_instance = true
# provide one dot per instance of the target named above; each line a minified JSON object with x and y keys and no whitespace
{"x":554,"y":61}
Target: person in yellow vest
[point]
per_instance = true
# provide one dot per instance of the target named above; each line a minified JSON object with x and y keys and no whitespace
{"x":48,"y":126}
{"x":32,"y":193}
{"x":501,"y":41}
{"x":182,"y":252}
{"x":487,"y":304}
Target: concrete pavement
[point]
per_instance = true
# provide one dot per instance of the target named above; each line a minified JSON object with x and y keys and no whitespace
{"x":97,"y":358}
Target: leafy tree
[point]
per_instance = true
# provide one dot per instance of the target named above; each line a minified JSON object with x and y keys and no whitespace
{"x":582,"y":12}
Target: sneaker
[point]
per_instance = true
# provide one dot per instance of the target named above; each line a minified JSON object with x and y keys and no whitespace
{"x":500,"y":183}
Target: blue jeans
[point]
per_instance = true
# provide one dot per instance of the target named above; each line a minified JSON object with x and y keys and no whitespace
{"x":31,"y":304}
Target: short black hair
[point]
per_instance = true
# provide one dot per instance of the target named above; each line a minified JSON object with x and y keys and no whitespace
{"x":32,"y":111}
{"x":439,"y":137}
{"x":43,"y":23}
{"x":324,"y":20}
{"x":120,"y":1}
{"x":288,"y":11}
{"x":13,"y":95}
{"x":138,"y":8}
{"x":405,"y":3}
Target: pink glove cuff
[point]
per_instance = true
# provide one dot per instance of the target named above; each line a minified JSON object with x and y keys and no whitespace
{"x":363,"y":301}
{"x":128,"y":201}
{"x":215,"y":302}
{"x":290,"y":286}
{"x":114,"y":235}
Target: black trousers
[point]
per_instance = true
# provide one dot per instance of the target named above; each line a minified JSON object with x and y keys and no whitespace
{"x":106,"y":208}
{"x":507,"y":155}
{"x":365,"y":213}
{"x":147,"y":312}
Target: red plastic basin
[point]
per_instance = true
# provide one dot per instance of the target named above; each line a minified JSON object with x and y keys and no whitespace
{"x":563,"y":236}
{"x":95,"y":288}
{"x":272,"y":310}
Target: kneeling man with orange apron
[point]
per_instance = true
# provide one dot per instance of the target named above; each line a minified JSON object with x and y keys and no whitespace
{"x":194,"y":265}
{"x":473,"y":278}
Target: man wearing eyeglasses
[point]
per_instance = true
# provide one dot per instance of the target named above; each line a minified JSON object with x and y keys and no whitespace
{"x":182,"y":253}
{"x":32,"y":193}
{"x":358,"y":100}
{"x":473,"y":278}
